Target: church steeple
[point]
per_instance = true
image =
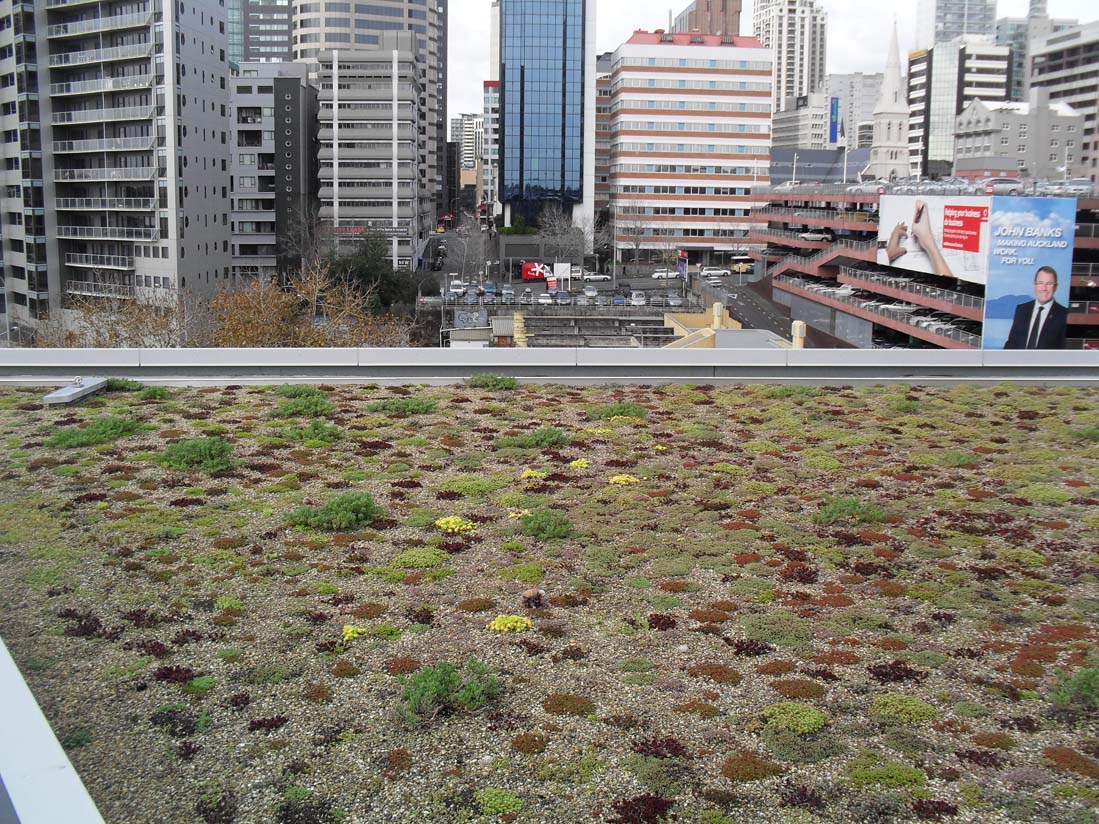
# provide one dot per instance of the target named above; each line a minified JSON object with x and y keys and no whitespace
{"x":889,"y":151}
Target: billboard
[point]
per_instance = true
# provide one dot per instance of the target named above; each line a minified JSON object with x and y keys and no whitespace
{"x":1018,"y":248}
{"x":833,"y":120}
{"x":1029,"y":269}
{"x":945,"y":236}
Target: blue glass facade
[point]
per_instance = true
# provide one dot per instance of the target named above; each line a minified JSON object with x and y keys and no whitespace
{"x":541,"y":104}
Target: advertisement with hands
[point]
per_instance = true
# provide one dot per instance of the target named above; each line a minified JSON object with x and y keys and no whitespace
{"x":944,"y":236}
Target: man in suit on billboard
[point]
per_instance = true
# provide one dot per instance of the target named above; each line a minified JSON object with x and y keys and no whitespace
{"x":1041,"y":323}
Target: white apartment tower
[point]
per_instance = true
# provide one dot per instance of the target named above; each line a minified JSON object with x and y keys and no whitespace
{"x":373,"y":167}
{"x":797,"y":32}
{"x":940,"y":20}
{"x":116,"y":150}
{"x":690,"y":138}
{"x":858,"y":94}
{"x":889,"y":150}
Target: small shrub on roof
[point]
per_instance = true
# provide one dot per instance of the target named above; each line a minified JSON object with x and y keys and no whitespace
{"x":487,"y":380}
{"x":796,"y":717}
{"x":903,"y":709}
{"x":208,"y":454}
{"x":443,"y":689}
{"x":100,"y":430}
{"x":841,"y":508}
{"x":342,"y":513}
{"x":541,"y":438}
{"x":546,"y":524}
{"x":403,"y":407}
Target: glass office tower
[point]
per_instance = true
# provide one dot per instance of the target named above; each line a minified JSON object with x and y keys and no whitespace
{"x":542,"y":106}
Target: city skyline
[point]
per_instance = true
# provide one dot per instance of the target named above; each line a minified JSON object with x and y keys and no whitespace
{"x":866,"y":22}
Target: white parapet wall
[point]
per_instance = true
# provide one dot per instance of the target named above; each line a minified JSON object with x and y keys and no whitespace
{"x":570,"y":365}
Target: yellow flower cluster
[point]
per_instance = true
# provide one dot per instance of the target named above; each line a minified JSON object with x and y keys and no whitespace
{"x":509,"y":623}
{"x":599,"y":430}
{"x":350,"y":632}
{"x":533,"y":473}
{"x":660,"y":448}
{"x":516,"y":514}
{"x":454,"y":525}
{"x":623,"y":480}
{"x":580,"y":463}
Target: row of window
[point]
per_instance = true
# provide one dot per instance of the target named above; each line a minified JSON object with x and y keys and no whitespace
{"x":689,"y":105}
{"x":684,"y":211}
{"x":693,"y":148}
{"x":688,"y":63}
{"x":716,"y":85}
{"x":690,"y":126}
{"x":640,"y":189}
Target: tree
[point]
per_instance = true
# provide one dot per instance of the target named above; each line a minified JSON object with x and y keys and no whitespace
{"x":162,"y":321}
{"x":563,"y":238}
{"x":315,"y":308}
{"x":367,"y":266}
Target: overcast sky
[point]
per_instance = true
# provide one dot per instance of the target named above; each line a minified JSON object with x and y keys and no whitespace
{"x":858,"y":34}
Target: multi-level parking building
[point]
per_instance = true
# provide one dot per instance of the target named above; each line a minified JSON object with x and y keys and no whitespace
{"x":690,"y":138}
{"x":822,"y":257}
{"x":115,"y":153}
{"x":373,"y":157}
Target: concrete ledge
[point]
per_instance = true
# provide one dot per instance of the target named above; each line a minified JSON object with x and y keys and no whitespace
{"x":88,"y":361}
{"x":259,"y":357}
{"x":908,"y":358}
{"x":483,"y":359}
{"x":1037,"y":358}
{"x":41,"y":784}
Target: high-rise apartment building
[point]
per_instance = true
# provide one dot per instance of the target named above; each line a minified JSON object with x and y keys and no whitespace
{"x":373,"y":161}
{"x":811,"y":121}
{"x":710,"y":17}
{"x":468,"y":131}
{"x":940,"y":20}
{"x":116,"y":155}
{"x":347,"y":26}
{"x":547,"y":108}
{"x":490,"y":156}
{"x":858,"y":95}
{"x":273,"y":165}
{"x":1018,"y":33}
{"x":797,"y":32}
{"x":604,"y":64}
{"x":259,"y":31}
{"x":690,"y":139}
{"x":1067,"y":63}
{"x":941,"y":82}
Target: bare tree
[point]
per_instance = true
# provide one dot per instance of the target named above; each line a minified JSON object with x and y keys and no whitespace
{"x":307,"y":236}
{"x":158,"y":321}
{"x":630,"y":229}
{"x":564,"y":238}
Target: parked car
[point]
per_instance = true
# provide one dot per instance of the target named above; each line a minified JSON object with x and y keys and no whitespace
{"x":457,"y":288}
{"x":471,"y":299}
{"x":714,"y":272}
{"x":582,"y":300}
{"x":869,"y":187}
{"x":1002,"y":185}
{"x":713,"y":281}
{"x":674,"y":298}
{"x":1076,"y":187}
{"x":619,"y":299}
{"x":545,"y":299}
{"x":526,"y":297}
{"x":490,"y":288}
{"x":657,"y":300}
{"x":818,"y":235}
{"x":664,"y":274}
{"x":789,"y":185}
{"x":601,"y":300}
{"x":590,"y":276}
{"x":563,"y":298}
{"x":507,"y":295}
{"x":637,"y":298}
{"x":590,"y":291}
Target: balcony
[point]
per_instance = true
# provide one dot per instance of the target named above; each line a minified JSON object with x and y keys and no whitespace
{"x":99,"y":261}
{"x":105,"y":173}
{"x":124,"y":204}
{"x":109,"y":232}
{"x":88,"y":288}
{"x":56,"y":4}
{"x":110,"y":144}
{"x":106,"y":84}
{"x":81,"y":58}
{"x":99,"y":115}
{"x":112,"y":22}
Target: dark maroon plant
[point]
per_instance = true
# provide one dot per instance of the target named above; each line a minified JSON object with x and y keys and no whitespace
{"x":151,"y":646}
{"x":895,"y":671}
{"x":142,"y":618}
{"x":239,"y":701}
{"x":187,"y":750}
{"x":641,"y":809}
{"x":801,"y":795}
{"x":174,"y":674}
{"x":186,"y":636}
{"x":660,"y":621}
{"x":982,"y":758}
{"x":931,"y":809}
{"x":749,"y":648}
{"x":660,"y":747}
{"x":267,"y":724}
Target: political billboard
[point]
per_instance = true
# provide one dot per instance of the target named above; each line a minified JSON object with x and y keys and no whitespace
{"x":1018,"y":248}
{"x":1029,"y":270}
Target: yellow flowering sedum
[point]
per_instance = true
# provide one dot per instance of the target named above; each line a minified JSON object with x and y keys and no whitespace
{"x":533,"y":473}
{"x":454,"y":525}
{"x":623,"y":480}
{"x":599,"y":430}
{"x":509,"y":623}
{"x":580,"y":463}
{"x":660,"y":448}
{"x":516,"y":514}
{"x":350,"y":632}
